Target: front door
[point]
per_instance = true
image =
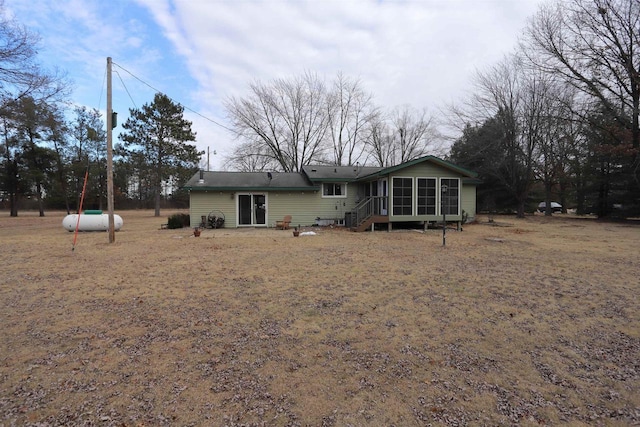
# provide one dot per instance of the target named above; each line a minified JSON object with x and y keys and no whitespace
{"x":252,"y":209}
{"x":383,"y":190}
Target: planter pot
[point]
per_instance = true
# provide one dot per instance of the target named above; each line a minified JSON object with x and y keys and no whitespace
{"x":196,"y":232}
{"x":296,"y":233}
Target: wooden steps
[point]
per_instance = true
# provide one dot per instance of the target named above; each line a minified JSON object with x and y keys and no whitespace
{"x":366,"y":224}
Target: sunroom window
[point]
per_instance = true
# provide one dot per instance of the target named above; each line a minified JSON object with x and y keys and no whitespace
{"x":402,"y":196}
{"x":450,"y":198}
{"x":330,"y":189}
{"x":426,"y":196}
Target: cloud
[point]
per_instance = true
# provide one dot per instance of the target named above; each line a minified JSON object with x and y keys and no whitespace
{"x":421,"y":53}
{"x":405,"y":51}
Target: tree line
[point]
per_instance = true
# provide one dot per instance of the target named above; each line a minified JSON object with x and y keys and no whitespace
{"x":557,"y":119}
{"x":46,"y":150}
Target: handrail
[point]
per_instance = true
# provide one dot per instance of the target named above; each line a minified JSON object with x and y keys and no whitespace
{"x":373,"y":205}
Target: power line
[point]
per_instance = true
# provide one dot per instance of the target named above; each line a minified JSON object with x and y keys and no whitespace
{"x":159,"y":91}
{"x":127,"y":90}
{"x":104,"y":79}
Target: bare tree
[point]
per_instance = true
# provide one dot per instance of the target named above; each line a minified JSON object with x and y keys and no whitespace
{"x":251,"y":156}
{"x":413,"y":133}
{"x":379,"y":140}
{"x":544,"y":117}
{"x":594,"y":46}
{"x":288,"y":117}
{"x":349,"y":110}
{"x":503,"y":93}
{"x":404,"y":135}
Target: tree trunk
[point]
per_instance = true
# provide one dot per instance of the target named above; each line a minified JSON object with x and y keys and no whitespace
{"x":563,"y":195}
{"x":548,"y":209}
{"x":521,"y":203}
{"x":603,"y":192}
{"x":157,"y":200}
{"x":40,"y":201}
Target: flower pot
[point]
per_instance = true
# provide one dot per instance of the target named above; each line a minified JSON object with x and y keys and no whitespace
{"x":196,"y":232}
{"x":296,"y":233}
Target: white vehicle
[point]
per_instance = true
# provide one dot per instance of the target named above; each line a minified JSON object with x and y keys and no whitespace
{"x":555,"y":207}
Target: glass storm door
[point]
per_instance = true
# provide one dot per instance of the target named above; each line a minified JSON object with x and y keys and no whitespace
{"x":252,"y":209}
{"x":383,"y":190}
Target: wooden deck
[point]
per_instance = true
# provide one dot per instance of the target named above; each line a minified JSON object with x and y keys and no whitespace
{"x":374,"y":219}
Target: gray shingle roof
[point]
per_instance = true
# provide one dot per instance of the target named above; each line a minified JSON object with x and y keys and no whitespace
{"x":337,"y":173}
{"x":309,"y":179}
{"x":249,"y":181}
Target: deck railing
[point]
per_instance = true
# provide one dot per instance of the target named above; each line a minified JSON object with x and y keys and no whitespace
{"x":374,"y":205}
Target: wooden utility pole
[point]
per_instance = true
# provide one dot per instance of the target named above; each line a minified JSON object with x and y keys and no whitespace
{"x":112,"y":231}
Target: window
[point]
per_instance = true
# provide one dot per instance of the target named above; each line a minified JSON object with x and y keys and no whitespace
{"x":426,"y":196}
{"x":451,"y":198}
{"x":402,"y":196}
{"x":334,"y":190}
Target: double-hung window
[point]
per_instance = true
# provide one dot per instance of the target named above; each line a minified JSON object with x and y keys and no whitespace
{"x":330,"y":189}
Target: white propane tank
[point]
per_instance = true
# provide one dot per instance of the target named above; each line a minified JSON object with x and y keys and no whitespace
{"x":91,"y":222}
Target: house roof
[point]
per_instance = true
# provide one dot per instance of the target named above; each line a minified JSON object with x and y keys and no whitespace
{"x":324,"y":173}
{"x":249,"y":181}
{"x":310,"y":179}
{"x":432,"y":159}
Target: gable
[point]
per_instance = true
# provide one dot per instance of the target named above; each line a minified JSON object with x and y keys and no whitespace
{"x":427,"y":164}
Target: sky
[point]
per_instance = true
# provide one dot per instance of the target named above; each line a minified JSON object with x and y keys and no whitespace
{"x":420,"y":53}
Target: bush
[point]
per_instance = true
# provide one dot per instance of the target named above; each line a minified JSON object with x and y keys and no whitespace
{"x":179,"y":220}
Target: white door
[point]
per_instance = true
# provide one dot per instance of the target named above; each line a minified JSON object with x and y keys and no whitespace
{"x":383,"y":190}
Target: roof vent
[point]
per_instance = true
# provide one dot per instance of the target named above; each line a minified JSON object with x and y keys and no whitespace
{"x":201,"y":180}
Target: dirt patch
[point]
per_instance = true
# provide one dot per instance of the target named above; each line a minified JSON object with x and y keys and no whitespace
{"x":535,"y":323}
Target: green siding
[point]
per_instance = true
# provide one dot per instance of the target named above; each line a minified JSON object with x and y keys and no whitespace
{"x":203,"y":202}
{"x":469,"y":201}
{"x":426,"y":170}
{"x":303,"y":206}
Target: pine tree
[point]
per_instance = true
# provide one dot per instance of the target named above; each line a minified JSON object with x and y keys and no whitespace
{"x":159,"y":133}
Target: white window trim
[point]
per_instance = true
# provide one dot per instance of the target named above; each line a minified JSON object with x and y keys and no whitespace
{"x":341,"y":196}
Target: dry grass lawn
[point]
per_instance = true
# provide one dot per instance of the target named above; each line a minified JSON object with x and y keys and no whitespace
{"x":529,"y":322}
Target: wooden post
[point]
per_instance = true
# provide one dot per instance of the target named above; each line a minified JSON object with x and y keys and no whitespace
{"x":112,"y":232}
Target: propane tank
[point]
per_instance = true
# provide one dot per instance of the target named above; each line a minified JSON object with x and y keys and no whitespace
{"x":91,"y":222}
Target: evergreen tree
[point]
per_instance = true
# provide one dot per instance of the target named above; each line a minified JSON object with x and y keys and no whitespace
{"x":159,"y":134}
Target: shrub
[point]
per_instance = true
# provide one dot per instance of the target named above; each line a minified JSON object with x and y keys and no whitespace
{"x":178,"y":220}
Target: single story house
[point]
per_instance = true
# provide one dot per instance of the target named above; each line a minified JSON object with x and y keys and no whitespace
{"x":420,"y":190}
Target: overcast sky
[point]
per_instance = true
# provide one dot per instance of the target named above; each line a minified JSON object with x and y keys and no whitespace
{"x":200,"y":52}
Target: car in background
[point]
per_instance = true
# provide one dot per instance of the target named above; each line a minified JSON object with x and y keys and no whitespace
{"x":555,"y":207}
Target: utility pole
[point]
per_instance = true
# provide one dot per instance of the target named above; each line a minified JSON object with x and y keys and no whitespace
{"x":110,"y":126}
